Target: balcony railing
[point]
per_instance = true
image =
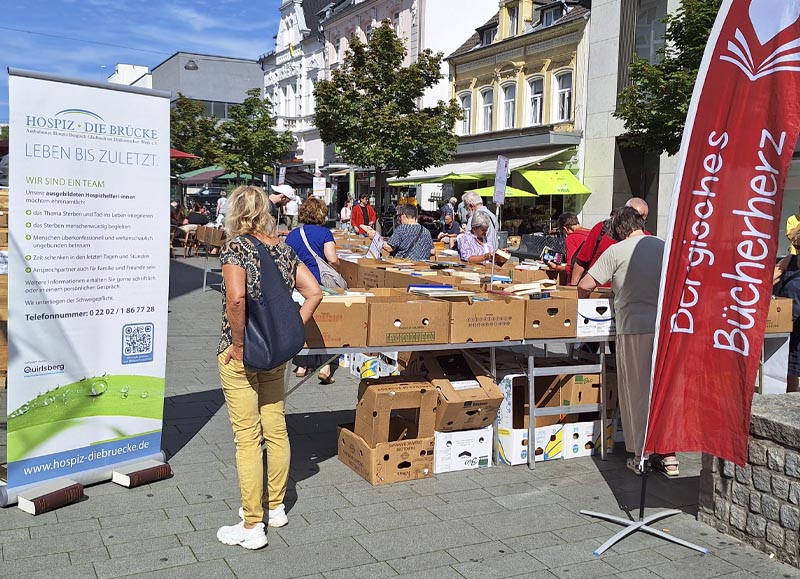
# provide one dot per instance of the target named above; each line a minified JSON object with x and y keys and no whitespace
{"x":283,"y":123}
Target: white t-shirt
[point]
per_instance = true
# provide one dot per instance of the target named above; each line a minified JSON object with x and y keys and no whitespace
{"x":346,"y":213}
{"x":291,"y":207}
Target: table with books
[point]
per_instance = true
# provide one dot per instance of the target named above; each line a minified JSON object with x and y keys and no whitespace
{"x":482,"y":350}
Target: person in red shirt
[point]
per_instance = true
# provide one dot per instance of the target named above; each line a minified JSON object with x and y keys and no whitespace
{"x":599,"y":239}
{"x":570,"y":227}
{"x":363,"y":214}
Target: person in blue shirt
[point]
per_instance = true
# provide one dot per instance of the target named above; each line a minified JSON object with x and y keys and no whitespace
{"x":312,"y":215}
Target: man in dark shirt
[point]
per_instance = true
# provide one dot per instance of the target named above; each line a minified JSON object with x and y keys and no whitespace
{"x":198,"y":215}
{"x":410,"y":240}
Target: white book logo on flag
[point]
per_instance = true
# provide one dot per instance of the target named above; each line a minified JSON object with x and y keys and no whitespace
{"x":769,"y":18}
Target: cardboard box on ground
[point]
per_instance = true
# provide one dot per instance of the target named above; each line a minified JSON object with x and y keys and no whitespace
{"x":462,"y":450}
{"x":392,"y":437}
{"x":553,"y":434}
{"x":467,"y":396}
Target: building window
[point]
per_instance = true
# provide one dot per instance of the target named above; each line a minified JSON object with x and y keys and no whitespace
{"x":466,"y":109}
{"x":549,"y":17}
{"x":396,"y":23}
{"x":487,"y":103}
{"x":488,"y":36}
{"x":650,"y":29}
{"x":513,"y":19}
{"x":564,"y":96}
{"x":537,"y":101}
{"x":509,"y":105}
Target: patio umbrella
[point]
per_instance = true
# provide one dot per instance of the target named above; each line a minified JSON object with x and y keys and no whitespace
{"x":176,"y":154}
{"x":510,"y":192}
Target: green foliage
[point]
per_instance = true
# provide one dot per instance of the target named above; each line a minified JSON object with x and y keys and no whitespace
{"x":369,"y":107}
{"x":4,"y":132}
{"x":655,"y":105}
{"x":250,"y":143}
{"x":192,"y":132}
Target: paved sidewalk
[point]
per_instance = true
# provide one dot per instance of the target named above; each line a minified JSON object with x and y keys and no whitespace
{"x":490,"y":523}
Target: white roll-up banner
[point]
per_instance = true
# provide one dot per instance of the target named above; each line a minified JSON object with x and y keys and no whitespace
{"x":88,"y":275}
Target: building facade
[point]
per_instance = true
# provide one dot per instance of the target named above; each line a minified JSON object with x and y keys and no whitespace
{"x":518,"y":79}
{"x":289,"y":75}
{"x":216,"y":81}
{"x":421,"y":24}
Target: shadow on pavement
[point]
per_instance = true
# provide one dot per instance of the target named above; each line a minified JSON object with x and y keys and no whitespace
{"x":662,"y":492}
{"x":312,"y":434}
{"x":186,"y":277}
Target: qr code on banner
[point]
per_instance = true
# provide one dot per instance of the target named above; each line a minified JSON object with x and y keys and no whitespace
{"x":137,"y":343}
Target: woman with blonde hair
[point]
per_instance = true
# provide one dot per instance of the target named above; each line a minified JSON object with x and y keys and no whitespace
{"x":255,"y":399}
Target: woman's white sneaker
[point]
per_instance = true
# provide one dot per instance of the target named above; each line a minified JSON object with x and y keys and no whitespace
{"x":238,"y":534}
{"x":276,"y":517}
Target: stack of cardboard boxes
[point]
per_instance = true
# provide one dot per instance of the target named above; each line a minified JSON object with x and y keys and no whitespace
{"x":467,"y":404}
{"x":435,"y":417}
{"x":392,"y":437}
{"x":559,"y":436}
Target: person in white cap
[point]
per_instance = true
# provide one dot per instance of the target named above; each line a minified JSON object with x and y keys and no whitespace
{"x":281,"y":195}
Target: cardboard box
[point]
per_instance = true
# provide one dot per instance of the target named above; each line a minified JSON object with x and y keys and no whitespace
{"x":470,"y":400}
{"x":394,"y":400}
{"x":338,"y":324}
{"x":462,"y":450}
{"x":397,"y":318}
{"x":585,"y":389}
{"x":595,"y":317}
{"x":528,"y":275}
{"x":550,"y":318}
{"x":374,"y":365}
{"x":583,"y":438}
{"x":348,"y":269}
{"x":486,"y":318}
{"x":581,"y":389}
{"x":548,"y":443}
{"x":779,"y":318}
{"x":388,"y":462}
{"x":513,"y":417}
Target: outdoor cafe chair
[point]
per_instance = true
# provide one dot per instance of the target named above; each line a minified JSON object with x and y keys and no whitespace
{"x":209,"y":239}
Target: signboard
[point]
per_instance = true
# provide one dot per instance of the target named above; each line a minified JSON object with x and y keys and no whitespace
{"x":501,"y":176}
{"x":319,"y":187}
{"x":282,"y":175}
{"x":88,"y":276}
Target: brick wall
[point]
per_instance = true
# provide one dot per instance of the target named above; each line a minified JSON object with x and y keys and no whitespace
{"x":760,"y":503}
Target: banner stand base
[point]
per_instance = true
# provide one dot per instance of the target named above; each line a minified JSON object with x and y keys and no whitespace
{"x":634,"y":526}
{"x":631,"y":527}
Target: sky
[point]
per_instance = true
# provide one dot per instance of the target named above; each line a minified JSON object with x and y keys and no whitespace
{"x":86,"y":38}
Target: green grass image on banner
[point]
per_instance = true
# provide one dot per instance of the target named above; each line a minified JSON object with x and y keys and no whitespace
{"x":62,"y":408}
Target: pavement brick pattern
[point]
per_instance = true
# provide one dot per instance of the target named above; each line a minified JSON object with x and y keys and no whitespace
{"x":489,"y":523}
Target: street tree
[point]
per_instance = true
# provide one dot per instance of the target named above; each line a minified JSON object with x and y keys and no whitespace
{"x":193,"y":132}
{"x":655,"y":104}
{"x":370,"y":108}
{"x":250,"y":143}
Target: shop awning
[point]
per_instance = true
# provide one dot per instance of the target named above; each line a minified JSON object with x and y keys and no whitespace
{"x":510,"y":192}
{"x":201,"y":176}
{"x":561,"y":182}
{"x":469,"y":170}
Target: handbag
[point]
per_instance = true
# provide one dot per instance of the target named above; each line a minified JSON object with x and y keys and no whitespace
{"x":328,"y":276}
{"x":273,"y":331}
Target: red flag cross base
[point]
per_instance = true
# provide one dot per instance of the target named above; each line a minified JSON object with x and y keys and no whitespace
{"x":716,"y":281}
